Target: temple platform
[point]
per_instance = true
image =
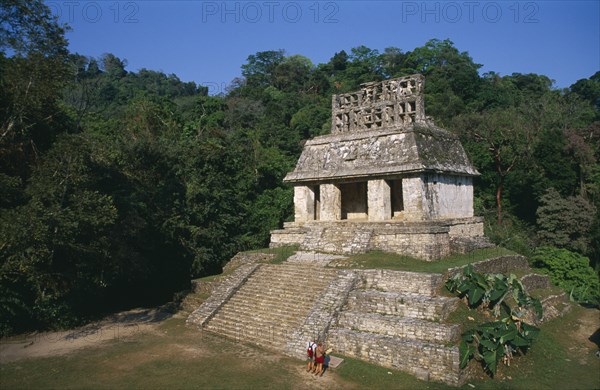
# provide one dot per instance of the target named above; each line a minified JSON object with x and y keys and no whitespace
{"x":425,"y":240}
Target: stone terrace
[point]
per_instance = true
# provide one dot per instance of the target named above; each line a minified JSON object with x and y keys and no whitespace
{"x":395,"y":319}
{"x":390,"y":318}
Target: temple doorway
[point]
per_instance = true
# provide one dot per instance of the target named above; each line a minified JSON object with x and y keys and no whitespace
{"x":354,"y":200}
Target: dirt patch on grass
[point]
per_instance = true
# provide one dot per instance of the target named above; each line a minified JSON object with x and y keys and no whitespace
{"x":144,"y":348}
{"x":586,"y":332}
{"x":113,"y":328}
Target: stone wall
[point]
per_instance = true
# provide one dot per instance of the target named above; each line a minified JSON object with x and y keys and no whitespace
{"x":396,"y":319}
{"x":497,"y":265}
{"x":427,"y":240}
{"x":424,"y":246}
{"x":448,"y":196}
{"x":400,"y":281}
{"x":399,"y":304}
{"x":411,"y":329}
{"x":288,"y":236}
{"x":426,"y":362}
{"x":387,"y":104}
{"x":465,"y":227}
{"x":416,"y":207}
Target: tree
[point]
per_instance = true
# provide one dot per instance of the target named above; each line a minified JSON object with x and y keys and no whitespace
{"x":393,"y":62}
{"x":565,"y":222}
{"x":28,"y":26}
{"x":31,"y":78}
{"x":508,"y":138}
{"x":260,"y":67}
{"x":292,"y":74}
{"x":339,"y":61}
{"x":582,"y":144}
{"x":55,"y":248}
{"x":589,"y":89}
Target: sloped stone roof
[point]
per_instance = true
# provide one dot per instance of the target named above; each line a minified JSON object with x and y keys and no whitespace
{"x":421,"y":147}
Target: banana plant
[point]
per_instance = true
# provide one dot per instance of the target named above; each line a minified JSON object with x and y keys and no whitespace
{"x":496,"y":341}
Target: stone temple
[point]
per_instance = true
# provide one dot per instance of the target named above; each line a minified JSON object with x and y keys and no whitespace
{"x":386,"y":178}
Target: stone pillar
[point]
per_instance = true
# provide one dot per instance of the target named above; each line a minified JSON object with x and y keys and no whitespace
{"x":304,"y":204}
{"x":378,"y":195}
{"x":413,"y":193}
{"x":331,"y":203}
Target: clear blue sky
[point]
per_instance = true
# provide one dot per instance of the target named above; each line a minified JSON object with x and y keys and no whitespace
{"x":208,"y":41}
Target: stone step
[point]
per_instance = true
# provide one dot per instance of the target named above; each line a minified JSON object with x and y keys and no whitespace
{"x":274,"y":299}
{"x":222,"y":292}
{"x":424,"y":360}
{"x":237,"y":319}
{"x":264,"y":338}
{"x":297,"y":270}
{"x":273,"y":325}
{"x":292,"y":281}
{"x":267,"y":307}
{"x":399,"y":304}
{"x":278,"y":295}
{"x":402,"y":327}
{"x":299,"y":275}
{"x":265,"y":285}
{"x":272,"y":319}
{"x":402,"y":281}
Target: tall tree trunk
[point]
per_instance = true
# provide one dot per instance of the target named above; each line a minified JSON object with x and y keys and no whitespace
{"x":499,"y":198}
{"x":500,"y":188}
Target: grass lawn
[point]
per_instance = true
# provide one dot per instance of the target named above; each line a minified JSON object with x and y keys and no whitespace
{"x":172,"y":357}
{"x":376,"y":259}
{"x":176,"y":356}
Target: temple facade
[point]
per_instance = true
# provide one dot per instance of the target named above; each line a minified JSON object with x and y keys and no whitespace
{"x":386,"y":178}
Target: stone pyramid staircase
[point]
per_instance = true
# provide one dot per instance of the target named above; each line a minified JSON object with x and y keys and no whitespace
{"x":390,"y":318}
{"x":268,"y":306}
{"x":395,"y":319}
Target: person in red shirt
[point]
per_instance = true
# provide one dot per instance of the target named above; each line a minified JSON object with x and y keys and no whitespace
{"x":319,"y":359}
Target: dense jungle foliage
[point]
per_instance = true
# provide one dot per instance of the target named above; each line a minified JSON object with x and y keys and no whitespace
{"x":118,"y":187}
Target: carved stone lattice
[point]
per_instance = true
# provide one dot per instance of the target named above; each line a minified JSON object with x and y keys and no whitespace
{"x":395,"y":103}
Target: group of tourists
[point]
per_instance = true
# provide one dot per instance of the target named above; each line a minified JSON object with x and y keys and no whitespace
{"x":315,"y":353}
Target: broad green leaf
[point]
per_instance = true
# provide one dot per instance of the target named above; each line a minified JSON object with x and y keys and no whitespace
{"x":466,"y":352}
{"x":468,"y":335}
{"x":537,"y":306}
{"x":468,"y":270}
{"x":498,"y":293}
{"x":475,"y":296}
{"x":491,"y":361}
{"x":490,"y":345}
{"x":520,"y":341}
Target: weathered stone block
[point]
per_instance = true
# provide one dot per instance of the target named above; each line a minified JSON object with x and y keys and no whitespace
{"x":379,"y":195}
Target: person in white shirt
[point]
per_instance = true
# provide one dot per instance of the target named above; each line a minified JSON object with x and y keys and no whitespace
{"x":310,"y":356}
